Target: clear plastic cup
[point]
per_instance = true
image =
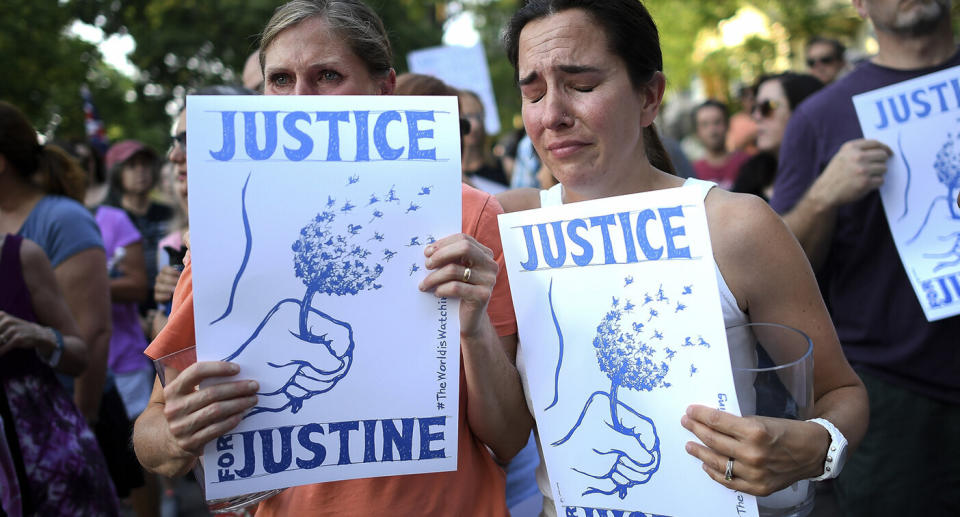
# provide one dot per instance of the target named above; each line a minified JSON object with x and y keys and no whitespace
{"x":168,"y":367}
{"x":775,"y":379}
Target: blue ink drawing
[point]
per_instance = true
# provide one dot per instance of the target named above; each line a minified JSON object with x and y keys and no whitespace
{"x":353,"y":179}
{"x":425,"y":191}
{"x":392,"y":194}
{"x":373,"y":199}
{"x":412,"y":208}
{"x":625,"y":444}
{"x":953,"y":252}
{"x":329,"y":258}
{"x":414,"y":268}
{"x":947,"y":166}
{"x":627,"y":281}
{"x":248,"y":246}
{"x":376,"y":215}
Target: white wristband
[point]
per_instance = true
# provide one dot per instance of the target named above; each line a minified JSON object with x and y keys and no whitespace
{"x":836,"y":451}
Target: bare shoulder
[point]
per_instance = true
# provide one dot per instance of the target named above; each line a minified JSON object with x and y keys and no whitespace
{"x":752,"y":246}
{"x":519,"y":199}
{"x":739,"y":219}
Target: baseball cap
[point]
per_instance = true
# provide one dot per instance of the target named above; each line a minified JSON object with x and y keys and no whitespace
{"x":123,"y":150}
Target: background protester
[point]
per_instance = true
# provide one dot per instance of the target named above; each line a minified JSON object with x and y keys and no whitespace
{"x":613,"y":48}
{"x":717,"y":165}
{"x":742,"y":135}
{"x":480,"y":168}
{"x":40,"y":190}
{"x":826,"y":59}
{"x":351,"y":42}
{"x":134,"y":171}
{"x":57,"y":466}
{"x":172,"y":247}
{"x":827,"y":190}
{"x":777,"y":97}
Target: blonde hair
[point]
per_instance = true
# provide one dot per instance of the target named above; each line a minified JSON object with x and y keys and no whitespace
{"x":352,"y":20}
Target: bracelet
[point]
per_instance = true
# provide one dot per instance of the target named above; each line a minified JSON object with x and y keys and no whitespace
{"x":54,"y":360}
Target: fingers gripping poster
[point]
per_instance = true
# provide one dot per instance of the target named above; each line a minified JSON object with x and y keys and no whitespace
{"x":918,"y":120}
{"x":308,"y":218}
{"x":620,"y":330}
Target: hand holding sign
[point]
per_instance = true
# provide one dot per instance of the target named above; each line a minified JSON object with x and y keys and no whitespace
{"x":769,"y":453}
{"x":450,"y":259}
{"x":197,"y":416}
{"x":857,"y":169}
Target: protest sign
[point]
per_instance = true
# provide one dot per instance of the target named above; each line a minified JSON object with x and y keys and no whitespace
{"x":464,"y":68}
{"x":620,"y":330}
{"x":308,"y":217}
{"x":917,"y":119}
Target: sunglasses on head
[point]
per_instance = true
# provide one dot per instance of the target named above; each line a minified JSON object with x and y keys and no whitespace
{"x":825,"y":60}
{"x":766,"y":108}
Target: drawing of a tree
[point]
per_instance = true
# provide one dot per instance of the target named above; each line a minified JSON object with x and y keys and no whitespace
{"x":626,"y":359}
{"x":330,"y":263}
{"x":947,"y":165}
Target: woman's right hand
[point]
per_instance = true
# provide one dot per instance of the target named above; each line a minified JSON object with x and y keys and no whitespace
{"x":166,"y":281}
{"x":197,"y":416}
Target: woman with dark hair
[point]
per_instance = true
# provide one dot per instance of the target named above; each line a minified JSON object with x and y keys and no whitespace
{"x":777,"y":97}
{"x":591,"y":83}
{"x":340,"y":47}
{"x":40,"y":187}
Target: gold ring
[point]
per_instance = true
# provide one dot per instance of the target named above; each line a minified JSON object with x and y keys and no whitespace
{"x":728,"y":475}
{"x":466,"y":275}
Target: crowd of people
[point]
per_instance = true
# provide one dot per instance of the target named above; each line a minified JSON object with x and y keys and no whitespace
{"x":96,"y":272}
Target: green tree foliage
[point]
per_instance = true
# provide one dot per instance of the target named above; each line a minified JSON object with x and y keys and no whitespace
{"x":46,"y":67}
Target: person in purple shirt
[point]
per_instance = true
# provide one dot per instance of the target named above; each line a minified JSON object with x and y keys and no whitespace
{"x":827,"y":190}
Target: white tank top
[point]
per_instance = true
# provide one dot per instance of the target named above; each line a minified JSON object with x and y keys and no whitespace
{"x":739,"y":343}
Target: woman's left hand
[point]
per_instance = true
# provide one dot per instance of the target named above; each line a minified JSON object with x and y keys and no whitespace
{"x":460,"y":267}
{"x":18,"y":333}
{"x":768,"y":454}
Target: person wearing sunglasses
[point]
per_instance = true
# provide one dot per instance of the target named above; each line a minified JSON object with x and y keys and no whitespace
{"x":825,"y":58}
{"x":777,"y":97}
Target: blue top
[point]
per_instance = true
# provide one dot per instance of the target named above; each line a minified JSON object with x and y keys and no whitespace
{"x":62,"y":227}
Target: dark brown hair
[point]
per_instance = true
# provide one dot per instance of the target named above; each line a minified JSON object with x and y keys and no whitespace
{"x":631,"y":35}
{"x":46,"y":166}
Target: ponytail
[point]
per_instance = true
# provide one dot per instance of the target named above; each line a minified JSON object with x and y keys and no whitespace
{"x":59,"y":174}
{"x":656,"y":153}
{"x":46,"y":166}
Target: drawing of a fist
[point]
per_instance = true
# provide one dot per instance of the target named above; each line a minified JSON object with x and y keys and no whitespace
{"x":307,"y":363}
{"x":618,"y":452}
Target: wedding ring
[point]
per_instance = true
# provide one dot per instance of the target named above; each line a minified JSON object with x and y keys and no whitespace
{"x":728,"y":475}
{"x":466,"y":275}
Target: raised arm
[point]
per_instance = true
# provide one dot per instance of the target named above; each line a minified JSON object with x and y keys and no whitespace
{"x":83,"y":280}
{"x":769,"y":275}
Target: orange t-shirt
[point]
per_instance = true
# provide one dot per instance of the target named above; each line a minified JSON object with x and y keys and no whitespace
{"x":475,"y":488}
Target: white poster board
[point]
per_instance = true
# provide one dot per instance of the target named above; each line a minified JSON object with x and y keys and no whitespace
{"x":620,"y":330}
{"x":464,"y":68}
{"x":918,"y":120}
{"x":308,"y":220}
